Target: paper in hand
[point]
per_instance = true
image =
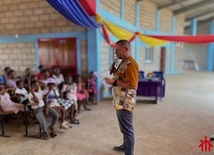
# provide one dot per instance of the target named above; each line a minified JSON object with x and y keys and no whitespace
{"x":100,"y":77}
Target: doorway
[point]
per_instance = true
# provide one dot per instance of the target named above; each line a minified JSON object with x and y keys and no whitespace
{"x":60,"y":52}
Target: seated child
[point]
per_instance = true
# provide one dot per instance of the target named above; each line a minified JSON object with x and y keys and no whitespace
{"x":92,"y":88}
{"x":51,"y":96}
{"x":22,"y":93}
{"x":7,"y":105}
{"x":36,"y":96}
{"x":70,"y":88}
{"x":82,"y":93}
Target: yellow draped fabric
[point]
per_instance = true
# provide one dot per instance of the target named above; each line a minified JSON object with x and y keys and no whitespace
{"x":122,"y":33}
{"x":152,"y":41}
{"x":99,"y":18}
{"x":118,"y":32}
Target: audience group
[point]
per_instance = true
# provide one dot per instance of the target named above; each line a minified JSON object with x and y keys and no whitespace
{"x":47,"y":93}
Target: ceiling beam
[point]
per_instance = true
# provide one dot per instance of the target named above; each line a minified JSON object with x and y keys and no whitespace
{"x":194,"y":6}
{"x":199,"y":15}
{"x":170,"y":4}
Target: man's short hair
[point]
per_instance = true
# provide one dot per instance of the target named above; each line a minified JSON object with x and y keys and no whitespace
{"x":124,"y":43}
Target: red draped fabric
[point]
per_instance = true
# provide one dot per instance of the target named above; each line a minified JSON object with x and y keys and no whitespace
{"x":89,"y":6}
{"x":199,"y":39}
{"x":107,"y":38}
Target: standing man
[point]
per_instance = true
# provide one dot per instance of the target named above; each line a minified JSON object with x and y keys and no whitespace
{"x":125,"y":83}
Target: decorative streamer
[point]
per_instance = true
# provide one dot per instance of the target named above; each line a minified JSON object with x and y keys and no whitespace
{"x":152,"y":41}
{"x":198,"y":39}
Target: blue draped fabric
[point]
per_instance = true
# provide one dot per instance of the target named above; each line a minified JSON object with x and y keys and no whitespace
{"x":73,"y":11}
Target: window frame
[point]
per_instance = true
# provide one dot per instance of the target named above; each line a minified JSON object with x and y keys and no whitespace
{"x":149,"y":54}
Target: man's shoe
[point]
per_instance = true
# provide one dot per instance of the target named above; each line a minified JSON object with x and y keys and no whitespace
{"x":119,"y":148}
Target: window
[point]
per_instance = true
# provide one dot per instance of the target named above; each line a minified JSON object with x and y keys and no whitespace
{"x":149,"y":54}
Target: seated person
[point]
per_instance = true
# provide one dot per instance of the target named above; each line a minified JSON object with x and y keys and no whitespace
{"x":36,"y":96}
{"x":7,"y":105}
{"x":92,"y":88}
{"x":6,"y":74}
{"x":70,"y":90}
{"x":39,"y":75}
{"x":46,"y":76}
{"x":41,"y":84}
{"x":27,"y":78}
{"x":51,"y":96}
{"x":11,"y":81}
{"x":22,"y":93}
{"x":82,"y":93}
{"x":58,"y":76}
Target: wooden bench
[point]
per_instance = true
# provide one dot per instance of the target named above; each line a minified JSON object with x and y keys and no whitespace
{"x":2,"y":119}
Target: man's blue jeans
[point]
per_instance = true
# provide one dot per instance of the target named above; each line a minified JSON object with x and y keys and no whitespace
{"x":125,"y":119}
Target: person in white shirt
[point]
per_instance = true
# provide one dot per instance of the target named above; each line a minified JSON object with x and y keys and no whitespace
{"x":51,"y":96}
{"x":46,"y":75}
{"x":58,"y":76}
{"x":21,"y":92}
{"x":37,"y":96}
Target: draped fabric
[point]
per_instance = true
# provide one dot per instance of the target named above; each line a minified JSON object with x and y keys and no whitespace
{"x":199,"y":39}
{"x":151,"y":40}
{"x":106,"y":36}
{"x":121,"y":33}
{"x":118,"y":32}
{"x":73,"y":11}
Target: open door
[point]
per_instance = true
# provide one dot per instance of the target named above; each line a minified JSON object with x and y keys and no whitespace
{"x":162,"y":59}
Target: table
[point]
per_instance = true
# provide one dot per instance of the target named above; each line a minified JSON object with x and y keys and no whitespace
{"x":151,"y":88}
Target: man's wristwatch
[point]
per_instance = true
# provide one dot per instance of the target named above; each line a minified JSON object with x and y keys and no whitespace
{"x":115,"y":83}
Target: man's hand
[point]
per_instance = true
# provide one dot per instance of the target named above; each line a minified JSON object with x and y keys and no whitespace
{"x":109,"y":80}
{"x":112,"y":69}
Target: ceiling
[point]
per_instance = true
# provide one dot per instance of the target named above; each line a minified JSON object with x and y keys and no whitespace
{"x":202,"y":10}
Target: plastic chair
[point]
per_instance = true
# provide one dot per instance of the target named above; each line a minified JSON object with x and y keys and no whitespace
{"x":141,"y":74}
{"x":1,"y":79}
{"x":158,"y":74}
